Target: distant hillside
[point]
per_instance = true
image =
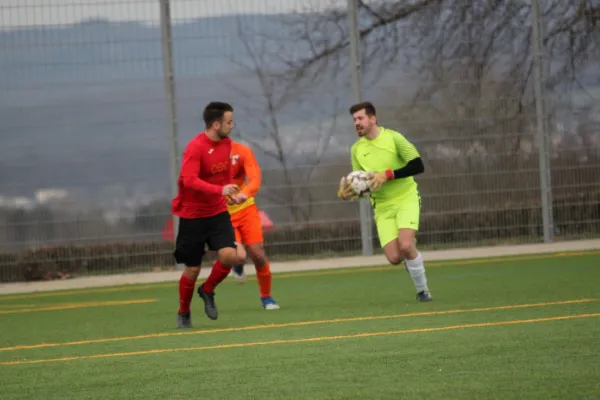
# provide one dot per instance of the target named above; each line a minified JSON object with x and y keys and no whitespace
{"x":83,"y":106}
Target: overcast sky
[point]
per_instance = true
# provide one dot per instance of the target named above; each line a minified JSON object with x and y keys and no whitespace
{"x":20,"y":13}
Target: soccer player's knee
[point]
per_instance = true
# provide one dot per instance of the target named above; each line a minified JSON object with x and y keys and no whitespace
{"x":259,"y":260}
{"x":406,"y":248}
{"x":229,"y":257}
{"x":257,"y":254}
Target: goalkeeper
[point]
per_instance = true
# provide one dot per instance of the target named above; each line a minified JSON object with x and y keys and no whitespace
{"x":392,"y":161}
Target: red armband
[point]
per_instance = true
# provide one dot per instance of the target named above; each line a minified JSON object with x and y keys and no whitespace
{"x":389,"y":174}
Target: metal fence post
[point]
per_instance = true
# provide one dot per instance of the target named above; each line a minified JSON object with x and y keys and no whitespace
{"x":542,"y":131}
{"x":355,"y":59}
{"x":169,"y":81}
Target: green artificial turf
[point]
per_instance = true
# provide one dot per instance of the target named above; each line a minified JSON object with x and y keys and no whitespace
{"x":513,"y":328}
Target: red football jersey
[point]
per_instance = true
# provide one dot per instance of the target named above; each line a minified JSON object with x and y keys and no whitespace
{"x":205,"y":169}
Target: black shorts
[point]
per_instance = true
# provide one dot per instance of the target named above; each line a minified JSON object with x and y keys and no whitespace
{"x":194,"y":234}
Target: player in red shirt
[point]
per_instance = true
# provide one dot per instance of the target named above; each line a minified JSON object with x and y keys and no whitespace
{"x":204,"y":183}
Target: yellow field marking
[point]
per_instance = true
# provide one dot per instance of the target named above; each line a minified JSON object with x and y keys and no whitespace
{"x":293,"y":324}
{"x":13,"y":306}
{"x":20,"y":306}
{"x":284,"y":275}
{"x":305,"y":340}
{"x":78,"y":305}
{"x":75,"y":292}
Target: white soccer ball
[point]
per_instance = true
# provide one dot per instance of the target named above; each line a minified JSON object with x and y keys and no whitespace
{"x":359,"y":182}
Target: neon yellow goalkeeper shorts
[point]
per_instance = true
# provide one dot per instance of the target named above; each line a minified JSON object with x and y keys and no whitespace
{"x":405,"y":213}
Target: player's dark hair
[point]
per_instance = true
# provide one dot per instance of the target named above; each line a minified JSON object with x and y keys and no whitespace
{"x":214,"y":111}
{"x":365,"y":105}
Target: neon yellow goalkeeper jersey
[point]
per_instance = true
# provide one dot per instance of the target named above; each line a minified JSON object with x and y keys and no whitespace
{"x":389,"y":150}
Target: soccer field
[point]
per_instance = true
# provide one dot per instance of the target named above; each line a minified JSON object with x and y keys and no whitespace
{"x":525,"y":327}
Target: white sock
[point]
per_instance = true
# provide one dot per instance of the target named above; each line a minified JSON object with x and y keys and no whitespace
{"x":416,"y":269}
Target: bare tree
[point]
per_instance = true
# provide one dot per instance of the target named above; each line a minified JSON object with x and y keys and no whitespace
{"x":428,"y":32}
{"x":471,"y":58}
{"x":277,"y":94}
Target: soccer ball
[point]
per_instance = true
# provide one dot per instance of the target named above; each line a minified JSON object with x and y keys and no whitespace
{"x":359,"y":182}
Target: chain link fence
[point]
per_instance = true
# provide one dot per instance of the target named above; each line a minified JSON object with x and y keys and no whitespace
{"x":85,"y":159}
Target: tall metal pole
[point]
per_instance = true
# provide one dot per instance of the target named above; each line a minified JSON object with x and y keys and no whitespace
{"x":355,"y":60}
{"x":542,"y":132}
{"x":169,"y":81}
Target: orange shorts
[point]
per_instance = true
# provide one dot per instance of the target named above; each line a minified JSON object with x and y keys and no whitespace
{"x":247,"y":226}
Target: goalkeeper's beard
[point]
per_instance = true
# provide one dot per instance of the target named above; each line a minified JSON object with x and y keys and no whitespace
{"x":362,"y":130}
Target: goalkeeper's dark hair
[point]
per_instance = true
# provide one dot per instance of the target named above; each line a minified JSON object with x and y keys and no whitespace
{"x":214,"y":111}
{"x":365,"y":105}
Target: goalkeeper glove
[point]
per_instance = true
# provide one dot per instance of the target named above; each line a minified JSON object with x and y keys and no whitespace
{"x":345,"y":191}
{"x":377,"y":179}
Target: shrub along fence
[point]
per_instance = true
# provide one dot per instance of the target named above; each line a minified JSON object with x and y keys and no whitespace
{"x":574,"y":218}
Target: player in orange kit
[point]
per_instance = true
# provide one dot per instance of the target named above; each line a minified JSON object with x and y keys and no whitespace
{"x":245,"y":217}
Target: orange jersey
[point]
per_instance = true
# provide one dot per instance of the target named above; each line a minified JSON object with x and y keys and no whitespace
{"x":246,"y":174}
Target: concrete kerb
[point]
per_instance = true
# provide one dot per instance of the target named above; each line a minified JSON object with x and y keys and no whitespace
{"x":305,"y":265}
